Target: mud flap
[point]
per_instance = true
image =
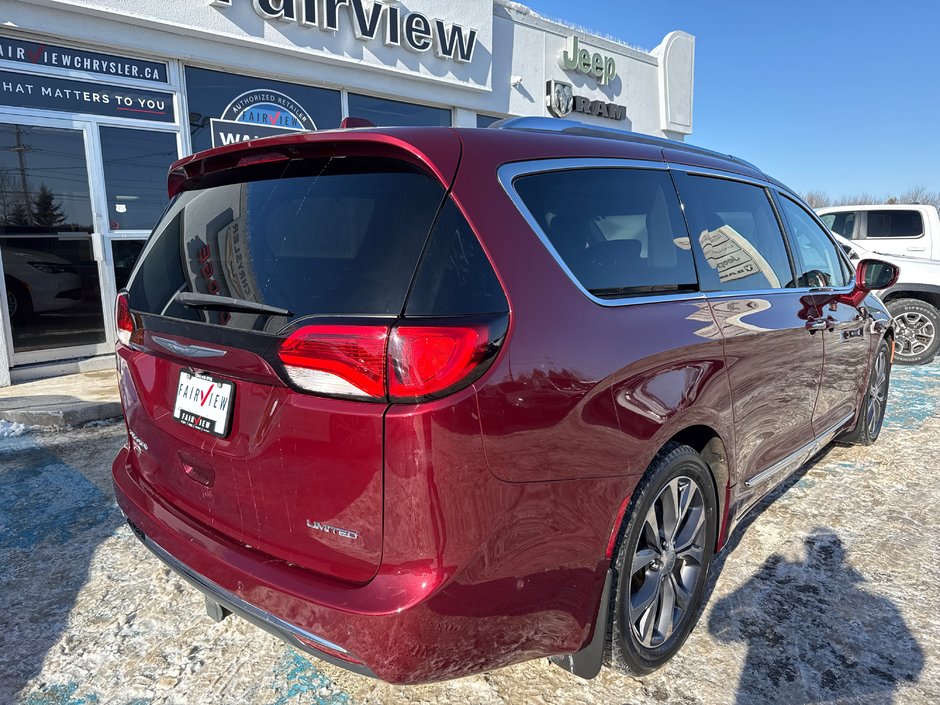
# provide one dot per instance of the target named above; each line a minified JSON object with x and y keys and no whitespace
{"x":587,"y":662}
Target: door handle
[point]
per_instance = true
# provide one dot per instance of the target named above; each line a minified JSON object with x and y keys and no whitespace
{"x":814,"y":324}
{"x":916,"y":249}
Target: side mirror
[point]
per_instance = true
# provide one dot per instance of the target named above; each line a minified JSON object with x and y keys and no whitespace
{"x":870,"y":275}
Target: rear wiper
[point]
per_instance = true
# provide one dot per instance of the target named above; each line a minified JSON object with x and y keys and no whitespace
{"x":227,"y":303}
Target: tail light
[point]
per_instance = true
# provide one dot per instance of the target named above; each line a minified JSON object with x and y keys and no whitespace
{"x":407,"y":363}
{"x":337,"y":360}
{"x":127,"y":331}
{"x":425,"y":360}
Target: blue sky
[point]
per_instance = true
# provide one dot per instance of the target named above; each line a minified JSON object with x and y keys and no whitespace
{"x":831,"y":95}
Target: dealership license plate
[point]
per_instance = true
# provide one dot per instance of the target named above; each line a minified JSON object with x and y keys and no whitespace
{"x":204,"y":402}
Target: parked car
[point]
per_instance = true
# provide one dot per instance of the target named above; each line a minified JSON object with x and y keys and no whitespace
{"x":38,"y":282}
{"x":913,"y":302}
{"x":425,"y":402}
{"x":903,"y":230}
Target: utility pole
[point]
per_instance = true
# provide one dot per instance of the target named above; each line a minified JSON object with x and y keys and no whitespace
{"x":20,"y":150}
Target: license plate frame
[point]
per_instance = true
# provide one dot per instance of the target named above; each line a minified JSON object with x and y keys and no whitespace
{"x":194,"y":390}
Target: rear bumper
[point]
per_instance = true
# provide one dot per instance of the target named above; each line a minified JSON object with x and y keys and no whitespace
{"x":416,"y":621}
{"x":217,"y":595}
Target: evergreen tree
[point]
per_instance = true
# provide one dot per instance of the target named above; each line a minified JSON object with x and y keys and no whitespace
{"x":46,"y":212}
{"x":19,"y":215}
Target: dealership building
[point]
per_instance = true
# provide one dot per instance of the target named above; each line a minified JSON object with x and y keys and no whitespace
{"x":99,"y":97}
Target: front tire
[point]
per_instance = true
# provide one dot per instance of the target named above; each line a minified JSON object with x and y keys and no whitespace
{"x":871,"y":415}
{"x":19,"y":303}
{"x":916,"y":330}
{"x":662,"y":561}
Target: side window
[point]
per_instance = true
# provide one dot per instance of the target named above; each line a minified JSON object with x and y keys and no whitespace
{"x":895,"y":223}
{"x":840,"y":223}
{"x":735,"y":235}
{"x":619,"y":231}
{"x":818,"y":261}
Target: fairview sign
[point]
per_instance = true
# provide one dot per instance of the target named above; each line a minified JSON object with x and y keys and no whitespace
{"x":371,"y":20}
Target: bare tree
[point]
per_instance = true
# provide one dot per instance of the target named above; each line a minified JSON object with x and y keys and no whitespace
{"x":817,"y":199}
{"x":916,"y":194}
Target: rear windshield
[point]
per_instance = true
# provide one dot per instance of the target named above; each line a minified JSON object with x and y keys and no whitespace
{"x":337,"y":237}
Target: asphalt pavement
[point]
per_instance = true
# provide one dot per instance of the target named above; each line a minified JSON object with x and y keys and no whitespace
{"x":828,"y":594}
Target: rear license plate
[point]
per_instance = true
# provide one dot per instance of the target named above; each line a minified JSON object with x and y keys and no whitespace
{"x":204,"y":402}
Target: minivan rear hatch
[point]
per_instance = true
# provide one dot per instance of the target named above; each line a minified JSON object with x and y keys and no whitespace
{"x":262,"y":240}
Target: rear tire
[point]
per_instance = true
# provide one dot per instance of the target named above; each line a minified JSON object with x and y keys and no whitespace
{"x":916,"y":330}
{"x":662,"y":561}
{"x":871,"y":415}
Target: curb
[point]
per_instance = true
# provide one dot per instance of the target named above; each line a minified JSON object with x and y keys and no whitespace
{"x":65,"y":414}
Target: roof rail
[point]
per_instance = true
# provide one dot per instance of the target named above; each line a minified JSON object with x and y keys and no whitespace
{"x":574,"y":127}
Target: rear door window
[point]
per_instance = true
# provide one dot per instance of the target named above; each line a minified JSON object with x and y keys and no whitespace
{"x":338,"y":237}
{"x":894,"y":223}
{"x":619,"y":232}
{"x":736,"y":237}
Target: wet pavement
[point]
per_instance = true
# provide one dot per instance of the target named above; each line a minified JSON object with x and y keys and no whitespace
{"x":828,"y":594}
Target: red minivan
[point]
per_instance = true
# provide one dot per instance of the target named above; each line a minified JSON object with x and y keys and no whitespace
{"x":425,"y":402}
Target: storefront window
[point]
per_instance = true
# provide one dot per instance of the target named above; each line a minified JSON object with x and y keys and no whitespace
{"x":135,"y":169}
{"x":53,"y":293}
{"x":125,"y":254}
{"x":486,"y":120}
{"x":384,"y":112}
{"x":227,"y":108}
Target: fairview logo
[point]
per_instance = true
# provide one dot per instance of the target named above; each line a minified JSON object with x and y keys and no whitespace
{"x":412,"y":30}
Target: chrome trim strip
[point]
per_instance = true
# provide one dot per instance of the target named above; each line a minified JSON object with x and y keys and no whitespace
{"x":509,"y":172}
{"x":186,"y":350}
{"x":801,"y":454}
{"x":719,"y":173}
{"x":236,"y":601}
{"x":751,"y":293}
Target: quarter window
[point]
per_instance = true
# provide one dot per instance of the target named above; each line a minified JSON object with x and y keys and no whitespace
{"x":819,"y":262}
{"x":735,"y":235}
{"x":618,"y":231}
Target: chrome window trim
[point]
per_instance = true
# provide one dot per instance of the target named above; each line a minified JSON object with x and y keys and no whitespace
{"x":718,"y":173}
{"x":507,"y":173}
{"x":835,"y":291}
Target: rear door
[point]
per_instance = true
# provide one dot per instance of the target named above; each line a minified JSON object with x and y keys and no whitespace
{"x":774,"y":362}
{"x":846,"y":340}
{"x":227,"y":435}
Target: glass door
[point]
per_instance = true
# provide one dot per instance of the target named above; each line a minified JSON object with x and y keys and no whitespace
{"x":50,"y":246}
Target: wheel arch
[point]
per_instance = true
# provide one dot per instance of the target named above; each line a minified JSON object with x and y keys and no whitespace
{"x":927,"y":293}
{"x":708,"y":443}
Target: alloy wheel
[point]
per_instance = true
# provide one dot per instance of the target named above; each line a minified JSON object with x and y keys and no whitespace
{"x":914,"y":333}
{"x":877,"y":392}
{"x":666,"y":562}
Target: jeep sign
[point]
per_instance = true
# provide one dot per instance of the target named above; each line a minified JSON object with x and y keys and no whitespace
{"x":575,"y":58}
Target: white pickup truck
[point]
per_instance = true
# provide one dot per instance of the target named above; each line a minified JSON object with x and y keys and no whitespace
{"x":913,"y":302}
{"x":902,"y":230}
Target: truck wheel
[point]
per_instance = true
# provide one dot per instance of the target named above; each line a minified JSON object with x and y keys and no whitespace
{"x":916,"y":330}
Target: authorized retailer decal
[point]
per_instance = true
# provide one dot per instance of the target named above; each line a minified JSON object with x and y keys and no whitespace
{"x":259,"y":113}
